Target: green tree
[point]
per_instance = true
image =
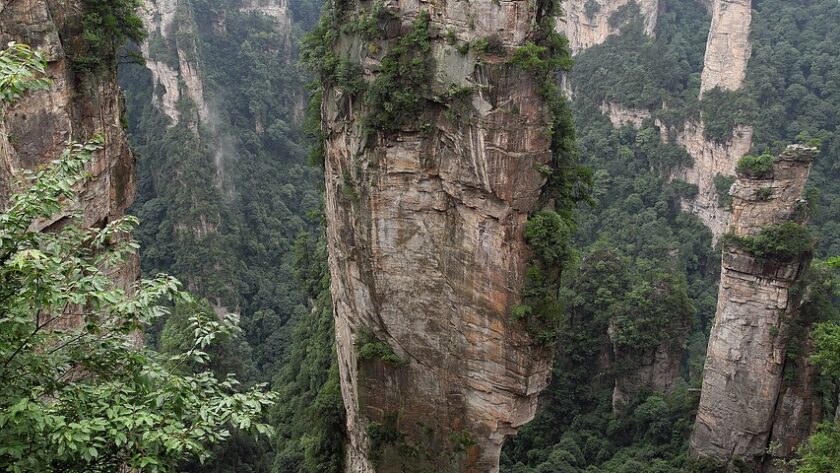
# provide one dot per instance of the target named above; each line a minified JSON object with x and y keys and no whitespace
{"x":78,"y":392}
{"x":822,"y":452}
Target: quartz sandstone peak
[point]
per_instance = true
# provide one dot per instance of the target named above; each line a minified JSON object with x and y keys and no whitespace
{"x":36,"y":129}
{"x":728,"y":49}
{"x":426,"y":248}
{"x":745,"y":404}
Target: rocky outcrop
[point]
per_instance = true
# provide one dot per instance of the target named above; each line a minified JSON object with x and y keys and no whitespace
{"x":655,"y":370}
{"x":587,"y":23}
{"x":728,"y":48}
{"x":427,"y":255}
{"x":620,"y":115}
{"x":709,"y":160}
{"x":36,"y":129}
{"x":743,"y":399}
{"x":171,"y":55}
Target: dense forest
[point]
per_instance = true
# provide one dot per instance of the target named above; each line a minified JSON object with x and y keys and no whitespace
{"x":232,"y":207}
{"x":230,"y":201}
{"x":636,"y":237}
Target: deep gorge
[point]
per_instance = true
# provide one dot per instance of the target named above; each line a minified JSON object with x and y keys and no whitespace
{"x":469,"y":236}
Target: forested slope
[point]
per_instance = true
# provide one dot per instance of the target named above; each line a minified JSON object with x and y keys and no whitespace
{"x":229,"y":204}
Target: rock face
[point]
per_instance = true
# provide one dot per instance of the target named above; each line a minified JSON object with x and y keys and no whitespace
{"x":741,"y":409}
{"x":710,"y":159}
{"x":36,"y":129}
{"x":725,"y":66}
{"x":587,"y":23}
{"x":654,"y":371}
{"x":728,"y":49}
{"x":620,"y":115}
{"x":427,"y":255}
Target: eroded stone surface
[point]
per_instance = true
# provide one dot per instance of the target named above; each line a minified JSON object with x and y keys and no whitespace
{"x":728,"y":49}
{"x":427,"y":251}
{"x":709,"y":160}
{"x":742,"y":377}
{"x":587,"y":22}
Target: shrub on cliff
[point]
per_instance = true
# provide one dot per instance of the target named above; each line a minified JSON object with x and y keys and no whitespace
{"x":756,"y":167}
{"x":783,"y":242}
{"x":77,"y":392}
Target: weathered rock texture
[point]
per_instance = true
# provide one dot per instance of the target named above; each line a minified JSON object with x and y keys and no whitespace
{"x":36,"y":129}
{"x":620,"y":115}
{"x":425,"y":235}
{"x":742,"y":407}
{"x":587,"y":23}
{"x":710,"y":159}
{"x":171,"y":55}
{"x":728,"y":49}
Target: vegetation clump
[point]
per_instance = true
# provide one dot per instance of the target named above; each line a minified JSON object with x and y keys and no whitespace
{"x":395,"y":98}
{"x":106,"y":26}
{"x":764,"y":193}
{"x":549,"y":236}
{"x":756,"y":167}
{"x":723,"y":110}
{"x":722,"y":185}
{"x":368,"y":347}
{"x":784,"y":242}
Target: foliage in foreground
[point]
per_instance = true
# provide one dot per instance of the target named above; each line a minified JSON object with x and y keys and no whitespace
{"x":77,"y":391}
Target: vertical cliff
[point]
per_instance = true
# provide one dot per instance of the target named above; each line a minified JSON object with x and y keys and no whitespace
{"x":438,"y":145}
{"x":743,"y":399}
{"x":724,"y":67}
{"x":80,"y":103}
{"x":728,"y":48}
{"x":587,"y":23}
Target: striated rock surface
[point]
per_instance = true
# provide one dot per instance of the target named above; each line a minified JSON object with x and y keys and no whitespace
{"x":36,"y":129}
{"x":427,"y":255}
{"x":742,"y":378}
{"x":171,"y":55}
{"x":728,"y":49}
{"x":587,"y":23}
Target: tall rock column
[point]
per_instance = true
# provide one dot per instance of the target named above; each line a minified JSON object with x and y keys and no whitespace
{"x":725,"y":62}
{"x":74,"y":108}
{"x":742,"y":378}
{"x":426,"y":204}
{"x":728,"y":49}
